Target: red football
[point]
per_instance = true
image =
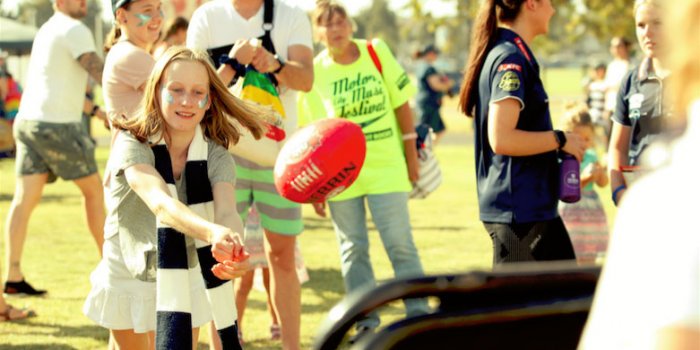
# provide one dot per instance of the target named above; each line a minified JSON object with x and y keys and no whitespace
{"x":320,"y":160}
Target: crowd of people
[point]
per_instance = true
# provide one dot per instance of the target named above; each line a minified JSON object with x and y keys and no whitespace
{"x":171,"y":238}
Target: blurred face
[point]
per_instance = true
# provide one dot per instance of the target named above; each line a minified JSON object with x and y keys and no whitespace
{"x":618,"y":49}
{"x":648,"y":27}
{"x":431,"y":56}
{"x":180,"y":37}
{"x":600,"y":73}
{"x":74,"y":8}
{"x":142,"y":22}
{"x":184,"y":96}
{"x":586,"y":134}
{"x":335,"y":33}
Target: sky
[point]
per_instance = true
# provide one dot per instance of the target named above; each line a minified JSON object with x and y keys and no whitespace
{"x":439,"y":8}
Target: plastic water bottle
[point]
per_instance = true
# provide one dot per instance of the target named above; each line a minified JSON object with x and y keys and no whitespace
{"x":569,"y":179}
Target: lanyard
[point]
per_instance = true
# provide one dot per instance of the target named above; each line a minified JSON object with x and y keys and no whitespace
{"x":521,"y":46}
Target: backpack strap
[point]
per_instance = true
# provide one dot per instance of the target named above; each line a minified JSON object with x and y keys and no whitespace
{"x":267,"y":26}
{"x":373,"y":55}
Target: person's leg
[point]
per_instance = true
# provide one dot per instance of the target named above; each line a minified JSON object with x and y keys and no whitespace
{"x":349,"y":221}
{"x":93,"y":202}
{"x":284,"y":283}
{"x":28,"y":191}
{"x":127,"y":339}
{"x":512,"y":242}
{"x":390,"y":215}
{"x":281,"y":221}
{"x":195,"y":337}
{"x":275,"y":331}
{"x":555,"y":243}
{"x":242,"y":290}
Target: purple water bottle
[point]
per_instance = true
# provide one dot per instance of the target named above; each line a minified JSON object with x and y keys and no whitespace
{"x":569,"y":179}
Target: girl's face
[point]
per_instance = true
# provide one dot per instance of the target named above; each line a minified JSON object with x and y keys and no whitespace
{"x":544,"y":15}
{"x":648,"y":24}
{"x":586,"y":134}
{"x":335,"y":33}
{"x":142,"y":22}
{"x":184,"y":95}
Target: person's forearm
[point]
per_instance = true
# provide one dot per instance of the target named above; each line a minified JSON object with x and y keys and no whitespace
{"x":226,"y":73}
{"x":618,"y":153}
{"x":177,"y":215}
{"x":231,"y":220}
{"x":404,"y":117}
{"x":615,"y":160}
{"x":296,"y":76}
{"x":586,"y":179}
{"x":518,"y":143}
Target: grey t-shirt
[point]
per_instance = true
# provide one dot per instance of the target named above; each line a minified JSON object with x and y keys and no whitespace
{"x":130,"y":218}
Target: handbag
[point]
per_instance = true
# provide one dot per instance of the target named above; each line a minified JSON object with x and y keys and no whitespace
{"x":258,"y":88}
{"x":430,"y":175}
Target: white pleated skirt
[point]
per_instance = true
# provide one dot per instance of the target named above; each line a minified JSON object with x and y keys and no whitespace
{"x":118,"y":301}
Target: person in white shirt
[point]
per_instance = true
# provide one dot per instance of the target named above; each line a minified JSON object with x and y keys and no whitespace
{"x":648,"y":296}
{"x":238,"y":23}
{"x":51,"y":140}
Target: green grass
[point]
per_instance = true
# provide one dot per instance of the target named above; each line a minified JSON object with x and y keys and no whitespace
{"x":59,"y":253}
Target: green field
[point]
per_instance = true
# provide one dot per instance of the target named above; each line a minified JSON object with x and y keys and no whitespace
{"x":60,"y":254}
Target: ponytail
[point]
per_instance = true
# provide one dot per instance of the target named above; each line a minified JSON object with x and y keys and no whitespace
{"x":112,"y":37}
{"x":484,"y":26}
{"x":483,"y":36}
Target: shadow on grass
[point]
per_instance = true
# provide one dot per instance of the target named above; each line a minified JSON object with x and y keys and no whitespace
{"x":437,"y":228}
{"x":325,"y":280}
{"x":58,"y":331}
{"x":4,"y":197}
{"x":314,"y":223}
{"x":37,"y":347}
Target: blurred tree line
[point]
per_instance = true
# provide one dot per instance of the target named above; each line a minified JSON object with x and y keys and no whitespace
{"x":36,"y":12}
{"x":575,"y":23}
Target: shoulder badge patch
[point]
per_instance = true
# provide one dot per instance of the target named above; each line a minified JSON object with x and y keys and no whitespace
{"x":510,"y":66}
{"x":509,"y":82}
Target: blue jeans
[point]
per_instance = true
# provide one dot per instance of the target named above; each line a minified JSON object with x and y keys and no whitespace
{"x":390,"y":216}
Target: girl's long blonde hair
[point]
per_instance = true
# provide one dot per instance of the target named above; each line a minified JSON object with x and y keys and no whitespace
{"x":215,"y":124}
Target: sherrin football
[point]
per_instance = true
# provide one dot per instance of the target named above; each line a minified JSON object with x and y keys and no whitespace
{"x":320,"y":160}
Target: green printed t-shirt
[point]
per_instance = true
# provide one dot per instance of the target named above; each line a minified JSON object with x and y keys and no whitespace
{"x":359,"y":93}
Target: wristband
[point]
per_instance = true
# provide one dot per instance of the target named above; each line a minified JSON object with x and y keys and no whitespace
{"x":616,"y":191}
{"x":95,"y":108}
{"x":409,"y":136}
{"x":561,"y":138}
{"x":281,"y":62}
{"x":233,"y":63}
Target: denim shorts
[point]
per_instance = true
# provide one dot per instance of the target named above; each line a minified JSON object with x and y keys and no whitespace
{"x":62,"y":150}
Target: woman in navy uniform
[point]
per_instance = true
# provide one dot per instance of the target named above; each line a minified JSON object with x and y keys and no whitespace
{"x":516,"y":147}
{"x":640,"y":108}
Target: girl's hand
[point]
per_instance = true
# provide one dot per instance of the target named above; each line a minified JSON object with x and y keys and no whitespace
{"x":320,"y":208}
{"x":225,"y":243}
{"x":231,"y":269}
{"x":243,"y":51}
{"x":590,"y":171}
{"x":574,"y":145}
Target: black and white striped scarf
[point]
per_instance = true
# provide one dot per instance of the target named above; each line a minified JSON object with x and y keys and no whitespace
{"x":173,"y":302}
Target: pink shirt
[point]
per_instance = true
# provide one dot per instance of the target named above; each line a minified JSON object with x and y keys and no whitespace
{"x":127,"y":67}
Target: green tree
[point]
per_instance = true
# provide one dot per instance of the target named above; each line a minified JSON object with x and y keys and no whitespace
{"x":378,"y":21}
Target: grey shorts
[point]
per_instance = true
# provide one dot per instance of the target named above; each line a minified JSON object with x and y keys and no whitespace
{"x":62,"y":150}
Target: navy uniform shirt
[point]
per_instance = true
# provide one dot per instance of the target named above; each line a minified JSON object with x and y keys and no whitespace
{"x":640,"y":105}
{"x":514,"y":189}
{"x":427,"y":97}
